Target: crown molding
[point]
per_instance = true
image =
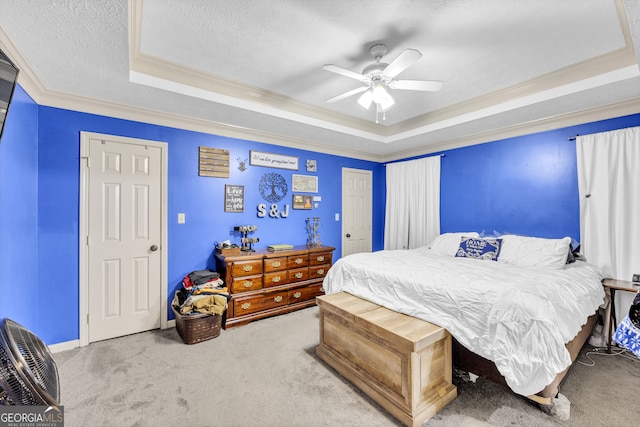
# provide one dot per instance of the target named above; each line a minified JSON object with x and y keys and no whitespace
{"x":26,"y":76}
{"x":560,"y":121}
{"x":29,"y":81}
{"x":605,"y":69}
{"x":155,"y":72}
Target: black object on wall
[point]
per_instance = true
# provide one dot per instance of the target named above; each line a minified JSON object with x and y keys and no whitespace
{"x":8,"y":78}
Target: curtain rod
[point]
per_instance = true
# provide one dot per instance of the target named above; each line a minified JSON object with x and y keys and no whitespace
{"x":441,"y":155}
{"x":573,"y":138}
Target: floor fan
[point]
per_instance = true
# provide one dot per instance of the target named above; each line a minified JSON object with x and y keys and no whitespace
{"x":28,"y":373}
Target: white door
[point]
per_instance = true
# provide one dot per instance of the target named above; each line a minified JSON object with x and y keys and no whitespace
{"x":124,"y":237}
{"x":356,"y":211}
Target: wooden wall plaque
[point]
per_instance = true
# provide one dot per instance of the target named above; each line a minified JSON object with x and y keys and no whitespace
{"x":213,"y":162}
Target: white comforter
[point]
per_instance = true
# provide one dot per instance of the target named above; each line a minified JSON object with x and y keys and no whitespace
{"x":520,"y":318}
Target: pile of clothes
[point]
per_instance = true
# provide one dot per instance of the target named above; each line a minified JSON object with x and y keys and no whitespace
{"x":203,"y":291}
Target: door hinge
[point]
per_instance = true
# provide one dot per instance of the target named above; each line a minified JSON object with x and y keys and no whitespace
{"x":87,"y":240}
{"x":87,"y":318}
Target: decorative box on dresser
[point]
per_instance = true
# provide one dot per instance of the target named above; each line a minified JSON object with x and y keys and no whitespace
{"x":265,"y":283}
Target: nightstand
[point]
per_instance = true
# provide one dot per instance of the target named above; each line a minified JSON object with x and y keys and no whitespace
{"x":616,"y":285}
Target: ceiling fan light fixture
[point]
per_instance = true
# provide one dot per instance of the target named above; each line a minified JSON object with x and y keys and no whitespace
{"x":366,"y":99}
{"x":381,"y":96}
{"x":380,"y":74}
{"x":387,"y":104}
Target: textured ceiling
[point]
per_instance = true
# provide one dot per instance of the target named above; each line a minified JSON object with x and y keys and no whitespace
{"x":253,"y":69}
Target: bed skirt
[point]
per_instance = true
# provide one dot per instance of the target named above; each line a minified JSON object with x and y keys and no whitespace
{"x":466,"y":360}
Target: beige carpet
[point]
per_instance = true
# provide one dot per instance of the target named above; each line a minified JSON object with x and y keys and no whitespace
{"x":266,"y":374}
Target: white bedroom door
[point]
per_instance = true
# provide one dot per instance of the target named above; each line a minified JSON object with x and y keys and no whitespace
{"x":357,"y":200}
{"x":124,"y":237}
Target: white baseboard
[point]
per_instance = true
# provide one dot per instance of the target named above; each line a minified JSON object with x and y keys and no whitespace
{"x":64,"y":346}
{"x":70,"y":345}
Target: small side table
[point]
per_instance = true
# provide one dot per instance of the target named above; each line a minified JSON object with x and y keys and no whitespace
{"x":616,"y":285}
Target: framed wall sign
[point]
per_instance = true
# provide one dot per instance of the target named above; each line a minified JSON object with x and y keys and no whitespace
{"x":233,"y":198}
{"x":302,"y":201}
{"x":270,"y":160}
{"x":304,"y":183}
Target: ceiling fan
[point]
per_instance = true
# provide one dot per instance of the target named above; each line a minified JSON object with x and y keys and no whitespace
{"x":380,"y":74}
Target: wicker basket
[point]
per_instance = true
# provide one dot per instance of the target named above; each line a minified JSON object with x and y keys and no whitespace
{"x":198,"y":327}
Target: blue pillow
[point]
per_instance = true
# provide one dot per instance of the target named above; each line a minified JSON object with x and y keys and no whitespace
{"x":487,"y":249}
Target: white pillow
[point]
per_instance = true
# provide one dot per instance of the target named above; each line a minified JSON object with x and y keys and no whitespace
{"x":448,"y":243}
{"x":534,"y":251}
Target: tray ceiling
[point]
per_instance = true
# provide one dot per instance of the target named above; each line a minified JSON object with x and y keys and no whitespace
{"x":253,"y":69}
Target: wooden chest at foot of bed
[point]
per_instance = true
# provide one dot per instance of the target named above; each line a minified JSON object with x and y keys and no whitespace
{"x":401,"y":362}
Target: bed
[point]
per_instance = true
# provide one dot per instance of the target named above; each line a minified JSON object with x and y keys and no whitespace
{"x":517,"y":310}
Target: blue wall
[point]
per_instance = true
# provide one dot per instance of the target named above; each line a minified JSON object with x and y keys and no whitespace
{"x":19,"y":295}
{"x":524,"y":185}
{"x":200,"y":198}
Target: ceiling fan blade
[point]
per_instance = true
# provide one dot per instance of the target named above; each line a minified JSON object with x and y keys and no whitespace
{"x":347,"y":94}
{"x":424,"y":85}
{"x":406,"y":59}
{"x":345,"y":72}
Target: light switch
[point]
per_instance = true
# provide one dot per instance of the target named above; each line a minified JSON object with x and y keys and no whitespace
{"x":337,"y":217}
{"x":181,"y":218}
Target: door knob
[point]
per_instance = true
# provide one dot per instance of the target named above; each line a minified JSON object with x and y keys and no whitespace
{"x":348,"y":235}
{"x":153,"y":248}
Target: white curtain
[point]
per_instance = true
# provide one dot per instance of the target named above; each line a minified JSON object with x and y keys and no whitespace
{"x":609,"y":190}
{"x":412,"y":216}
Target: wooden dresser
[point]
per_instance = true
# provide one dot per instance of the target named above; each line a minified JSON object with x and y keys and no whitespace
{"x":264,"y":283}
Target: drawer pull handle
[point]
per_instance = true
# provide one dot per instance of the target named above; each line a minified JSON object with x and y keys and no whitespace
{"x":278,"y":298}
{"x":320,"y":258}
{"x":247,"y":283}
{"x":247,"y":268}
{"x":299,"y":275}
{"x":320,"y":271}
{"x":275,"y":279}
{"x":245,"y":306}
{"x":297,"y":295}
{"x":276,"y":263}
{"x":298,"y":261}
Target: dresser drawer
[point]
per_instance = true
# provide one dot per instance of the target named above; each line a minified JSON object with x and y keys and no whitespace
{"x":304,"y":294}
{"x":248,"y":305}
{"x":320,"y":258}
{"x":275,"y":264}
{"x":275,"y":278}
{"x":246,"y":268}
{"x":297,"y":261}
{"x":318,"y":271}
{"x":244,"y":284}
{"x":298,"y":274}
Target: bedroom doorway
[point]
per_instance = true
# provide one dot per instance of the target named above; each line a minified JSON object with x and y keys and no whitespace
{"x":357,"y":199}
{"x":123,"y":237}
